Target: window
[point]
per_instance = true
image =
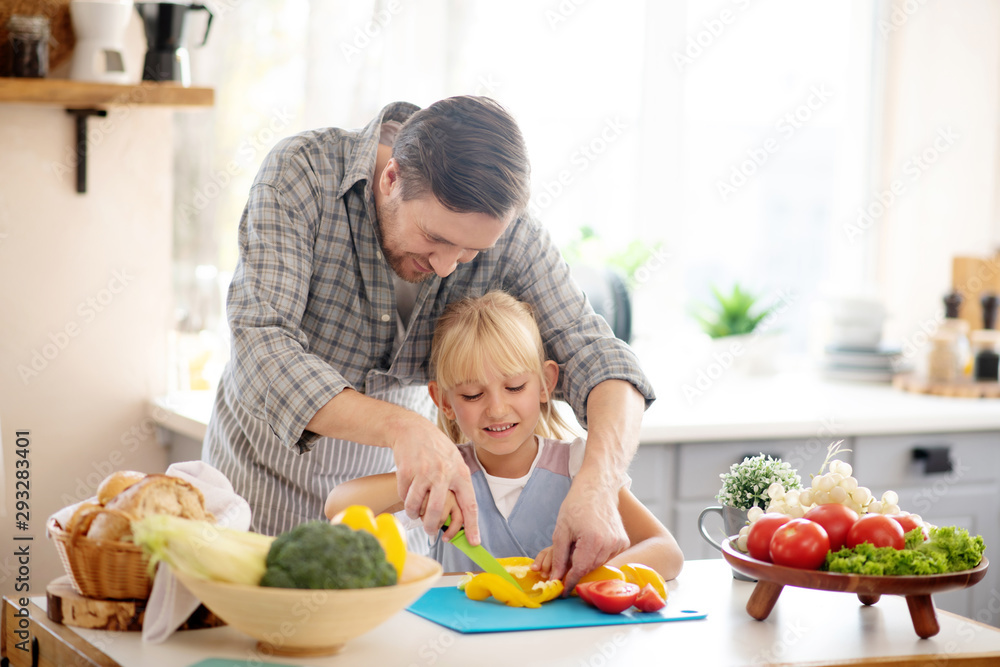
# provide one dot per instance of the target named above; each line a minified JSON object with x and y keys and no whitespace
{"x":735,"y":134}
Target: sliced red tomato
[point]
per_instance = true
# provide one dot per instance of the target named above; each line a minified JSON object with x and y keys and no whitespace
{"x":610,"y":596}
{"x":836,"y":520}
{"x":800,"y":543}
{"x":877,"y":529}
{"x":761,"y":530}
{"x":649,"y":599}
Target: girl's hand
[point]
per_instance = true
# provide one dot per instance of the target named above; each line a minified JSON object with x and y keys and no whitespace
{"x":452,"y":510}
{"x":543,"y":562}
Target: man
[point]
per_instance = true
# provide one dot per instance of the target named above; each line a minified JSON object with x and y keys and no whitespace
{"x":351,"y":245}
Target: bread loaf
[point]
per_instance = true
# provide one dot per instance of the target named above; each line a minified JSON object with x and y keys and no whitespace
{"x":117,"y":482}
{"x":154,"y":494}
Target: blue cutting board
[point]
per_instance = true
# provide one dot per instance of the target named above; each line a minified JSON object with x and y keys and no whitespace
{"x":449,"y":607}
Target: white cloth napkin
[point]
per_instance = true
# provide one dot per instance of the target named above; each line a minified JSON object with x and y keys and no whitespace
{"x":170,"y":604}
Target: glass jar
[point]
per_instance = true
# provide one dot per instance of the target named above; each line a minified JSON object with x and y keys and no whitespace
{"x":986,"y":353}
{"x":942,"y":360}
{"x":26,"y":51}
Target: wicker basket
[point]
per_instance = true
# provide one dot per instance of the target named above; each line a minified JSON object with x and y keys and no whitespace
{"x":103,"y":569}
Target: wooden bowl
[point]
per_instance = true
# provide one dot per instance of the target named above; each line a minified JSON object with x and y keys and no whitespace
{"x":917,"y":589}
{"x":303,"y":622}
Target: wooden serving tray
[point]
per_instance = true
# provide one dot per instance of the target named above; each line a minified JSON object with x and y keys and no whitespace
{"x":771,"y":579}
{"x":958,"y":389}
{"x":67,"y":607}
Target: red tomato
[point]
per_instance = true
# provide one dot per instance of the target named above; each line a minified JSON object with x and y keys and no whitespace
{"x":761,"y":530}
{"x":649,"y":600}
{"x":877,"y":529}
{"x":836,"y":520}
{"x":908,"y":523}
{"x":612,"y":596}
{"x":800,"y":543}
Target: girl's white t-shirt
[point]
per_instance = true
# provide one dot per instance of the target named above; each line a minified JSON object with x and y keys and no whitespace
{"x":506,"y":490}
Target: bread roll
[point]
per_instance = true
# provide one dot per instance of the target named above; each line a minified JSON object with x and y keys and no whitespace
{"x":117,"y":482}
{"x":82,"y":517}
{"x":155,"y":494}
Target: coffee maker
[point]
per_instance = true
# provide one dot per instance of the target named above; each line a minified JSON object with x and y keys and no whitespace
{"x":166,"y":31}
{"x":99,"y":26}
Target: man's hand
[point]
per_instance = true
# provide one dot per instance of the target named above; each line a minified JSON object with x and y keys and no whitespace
{"x":428,"y":466}
{"x":589,"y":530}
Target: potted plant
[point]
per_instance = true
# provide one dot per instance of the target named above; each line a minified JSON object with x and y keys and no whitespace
{"x":608,"y":274}
{"x":745,"y":486}
{"x":736,"y":323}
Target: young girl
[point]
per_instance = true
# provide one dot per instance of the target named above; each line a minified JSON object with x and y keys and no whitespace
{"x":493,"y":386}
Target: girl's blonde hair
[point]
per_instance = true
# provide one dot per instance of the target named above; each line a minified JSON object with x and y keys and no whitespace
{"x":491,"y":332}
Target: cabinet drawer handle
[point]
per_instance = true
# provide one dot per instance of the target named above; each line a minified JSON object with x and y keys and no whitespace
{"x":936,"y":459}
{"x":34,"y":652}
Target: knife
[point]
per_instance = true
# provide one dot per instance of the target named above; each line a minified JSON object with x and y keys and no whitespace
{"x":480,"y":556}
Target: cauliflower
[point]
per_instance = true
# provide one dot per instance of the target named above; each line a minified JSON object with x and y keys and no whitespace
{"x":317,"y":554}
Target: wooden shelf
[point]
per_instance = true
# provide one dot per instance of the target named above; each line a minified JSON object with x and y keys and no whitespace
{"x":82,"y":94}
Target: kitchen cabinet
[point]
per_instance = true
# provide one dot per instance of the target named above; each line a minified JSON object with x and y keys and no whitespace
{"x":966,"y":496}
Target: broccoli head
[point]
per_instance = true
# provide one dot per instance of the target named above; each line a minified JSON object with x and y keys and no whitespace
{"x":317,"y":554}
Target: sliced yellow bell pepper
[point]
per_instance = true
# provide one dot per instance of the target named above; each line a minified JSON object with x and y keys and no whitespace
{"x":485,"y":584}
{"x":519,"y":567}
{"x":386,"y":529}
{"x":640,"y":575}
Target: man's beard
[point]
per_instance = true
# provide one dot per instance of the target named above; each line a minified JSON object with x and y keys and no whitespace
{"x":387,"y":228}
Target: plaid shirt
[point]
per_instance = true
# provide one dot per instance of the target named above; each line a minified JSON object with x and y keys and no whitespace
{"x":312,"y":312}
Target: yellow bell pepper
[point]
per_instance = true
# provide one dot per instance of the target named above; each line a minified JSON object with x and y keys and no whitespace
{"x":485,"y":584}
{"x":640,"y":575}
{"x":386,"y":529}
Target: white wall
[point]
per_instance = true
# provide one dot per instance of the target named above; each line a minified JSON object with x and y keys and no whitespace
{"x":85,"y":279}
{"x":943,"y":71}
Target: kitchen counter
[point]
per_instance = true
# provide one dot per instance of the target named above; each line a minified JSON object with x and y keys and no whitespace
{"x":806,"y":628}
{"x":736,"y":408}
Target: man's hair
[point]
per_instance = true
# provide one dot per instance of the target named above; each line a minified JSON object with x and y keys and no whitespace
{"x":469,"y":153}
